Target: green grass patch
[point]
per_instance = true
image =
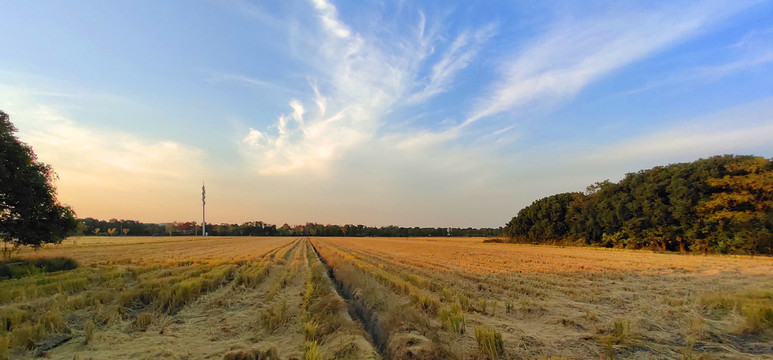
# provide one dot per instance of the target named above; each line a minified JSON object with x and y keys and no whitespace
{"x":19,"y":268}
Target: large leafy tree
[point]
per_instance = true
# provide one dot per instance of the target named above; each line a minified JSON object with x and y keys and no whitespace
{"x":29,"y":211}
{"x":739,"y":214}
{"x":721,"y":204}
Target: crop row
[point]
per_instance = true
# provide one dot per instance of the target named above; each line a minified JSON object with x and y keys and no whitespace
{"x":77,"y":302}
{"x":529,"y":311}
{"x":406,"y":318}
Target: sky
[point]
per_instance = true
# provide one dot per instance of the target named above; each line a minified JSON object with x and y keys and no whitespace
{"x":412,"y":113}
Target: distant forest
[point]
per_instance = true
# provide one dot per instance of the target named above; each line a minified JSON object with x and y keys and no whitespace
{"x":723,"y":204}
{"x":115,"y":227}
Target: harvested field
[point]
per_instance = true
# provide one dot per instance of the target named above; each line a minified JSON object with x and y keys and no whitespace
{"x":392,"y":298}
{"x":103,"y":250}
{"x":183,"y":298}
{"x":474,"y":299}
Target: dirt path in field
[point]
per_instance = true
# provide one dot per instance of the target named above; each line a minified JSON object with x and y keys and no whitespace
{"x":366,"y":321}
{"x":225,"y":320}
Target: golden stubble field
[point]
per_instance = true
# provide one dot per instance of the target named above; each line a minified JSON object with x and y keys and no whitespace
{"x":179,"y":298}
{"x":398,"y":298}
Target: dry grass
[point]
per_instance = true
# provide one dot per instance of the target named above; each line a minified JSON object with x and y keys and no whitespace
{"x":177,"y":249}
{"x":147,"y":297}
{"x":568,"y":302}
{"x":489,"y":341}
{"x":268,"y":298}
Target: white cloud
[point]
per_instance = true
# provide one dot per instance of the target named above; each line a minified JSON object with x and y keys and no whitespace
{"x":363,"y":79}
{"x":576,"y":52}
{"x":329,"y":15}
{"x":460,"y":54}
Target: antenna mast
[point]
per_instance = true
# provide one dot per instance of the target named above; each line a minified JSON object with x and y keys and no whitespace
{"x":203,"y":210}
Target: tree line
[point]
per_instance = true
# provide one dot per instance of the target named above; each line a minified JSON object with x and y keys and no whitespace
{"x":115,"y":227}
{"x":723,"y":204}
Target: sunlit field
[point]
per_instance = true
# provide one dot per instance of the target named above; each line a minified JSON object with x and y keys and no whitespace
{"x":392,"y":298}
{"x":560,"y":302}
{"x":179,"y":298}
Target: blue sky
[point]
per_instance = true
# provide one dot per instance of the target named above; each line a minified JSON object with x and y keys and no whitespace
{"x":408,"y":113}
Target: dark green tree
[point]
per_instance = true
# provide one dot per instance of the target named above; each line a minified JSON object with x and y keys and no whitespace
{"x":721,"y":204}
{"x":29,"y":211}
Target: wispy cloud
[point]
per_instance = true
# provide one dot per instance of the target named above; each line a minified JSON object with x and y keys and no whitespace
{"x":573,"y":53}
{"x":222,"y":77}
{"x":363,"y":78}
{"x":747,"y":128}
{"x":457,"y":57}
{"x":753,"y":51}
{"x":256,"y":12}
